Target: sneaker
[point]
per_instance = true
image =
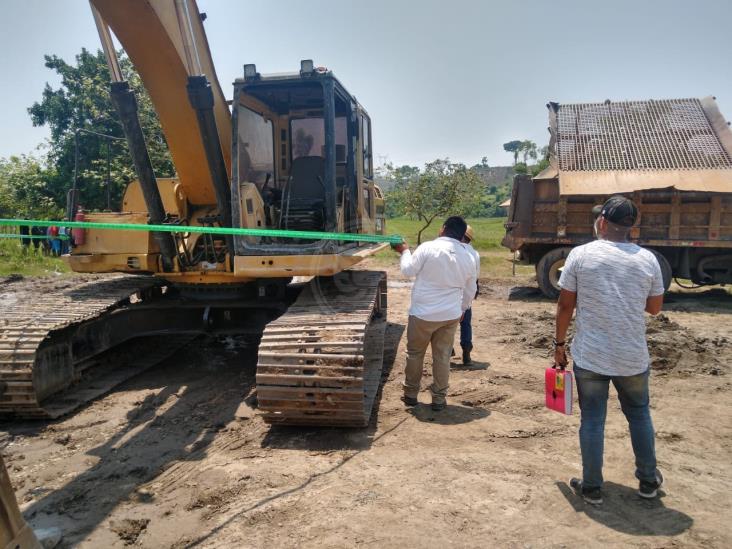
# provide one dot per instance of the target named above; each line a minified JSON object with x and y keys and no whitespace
{"x":438,"y":406}
{"x":410,"y":401}
{"x":649,"y":490}
{"x":593,"y":496}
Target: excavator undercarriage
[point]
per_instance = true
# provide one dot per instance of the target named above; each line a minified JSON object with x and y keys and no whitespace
{"x":319,"y":359}
{"x":73,"y":341}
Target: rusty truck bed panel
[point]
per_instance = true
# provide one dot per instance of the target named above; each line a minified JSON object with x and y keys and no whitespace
{"x":667,"y":217}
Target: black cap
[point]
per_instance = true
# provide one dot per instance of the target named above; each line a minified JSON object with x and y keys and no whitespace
{"x":619,"y":210}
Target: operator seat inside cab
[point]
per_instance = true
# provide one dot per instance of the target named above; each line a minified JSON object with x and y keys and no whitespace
{"x":303,"y":199}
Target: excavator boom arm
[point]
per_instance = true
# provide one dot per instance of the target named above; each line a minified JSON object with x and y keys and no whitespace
{"x":166,"y":42}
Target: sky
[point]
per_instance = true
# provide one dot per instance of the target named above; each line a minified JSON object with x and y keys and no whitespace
{"x":439,"y":79}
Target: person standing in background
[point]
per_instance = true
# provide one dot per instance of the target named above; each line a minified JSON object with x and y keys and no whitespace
{"x":38,"y":231}
{"x":466,"y":329}
{"x":24,"y":231}
{"x":64,"y":234}
{"x":54,"y":241}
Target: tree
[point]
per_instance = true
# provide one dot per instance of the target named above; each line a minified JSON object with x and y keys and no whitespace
{"x":539,"y":166}
{"x":82,"y":101}
{"x":513,"y":147}
{"x":23,"y":189}
{"x":442,"y":189}
{"x":395,"y":179}
{"x":528,"y":150}
{"x":402,"y":175}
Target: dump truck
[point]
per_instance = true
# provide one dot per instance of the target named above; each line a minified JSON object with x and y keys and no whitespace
{"x":289,"y":152}
{"x":673,"y":158}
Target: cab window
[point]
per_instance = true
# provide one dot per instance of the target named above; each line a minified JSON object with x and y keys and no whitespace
{"x":256,"y":147}
{"x":308,"y":136}
{"x":366,"y":141}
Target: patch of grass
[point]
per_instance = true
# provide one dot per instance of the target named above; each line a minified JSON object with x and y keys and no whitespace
{"x":17,"y":259}
{"x":488,"y":231}
{"x":497,"y":264}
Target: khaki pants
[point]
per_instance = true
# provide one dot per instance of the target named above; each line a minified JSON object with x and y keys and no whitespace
{"x":420,"y":334}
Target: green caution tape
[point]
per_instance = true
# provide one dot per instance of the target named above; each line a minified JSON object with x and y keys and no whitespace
{"x":275,"y":233}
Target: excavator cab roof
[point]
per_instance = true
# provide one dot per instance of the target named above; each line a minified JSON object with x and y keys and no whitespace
{"x":288,"y":91}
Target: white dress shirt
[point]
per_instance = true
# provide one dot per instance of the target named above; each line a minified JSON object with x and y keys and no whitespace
{"x":445,"y":282}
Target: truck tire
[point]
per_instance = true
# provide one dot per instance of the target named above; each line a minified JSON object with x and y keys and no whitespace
{"x":666,"y":272}
{"x":549,"y":269}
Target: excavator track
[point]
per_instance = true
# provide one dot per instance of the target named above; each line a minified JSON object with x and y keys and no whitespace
{"x":320,"y":363}
{"x":36,"y":355}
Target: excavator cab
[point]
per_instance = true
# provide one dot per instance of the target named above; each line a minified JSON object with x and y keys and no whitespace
{"x":301,"y":161}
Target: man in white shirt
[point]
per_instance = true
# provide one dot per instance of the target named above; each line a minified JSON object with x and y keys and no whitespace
{"x":612,"y":283}
{"x":443,"y":290}
{"x":466,"y":329}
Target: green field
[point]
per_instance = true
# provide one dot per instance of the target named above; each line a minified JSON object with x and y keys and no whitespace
{"x":495,"y":260}
{"x":15,"y":259}
{"x":488,"y":231}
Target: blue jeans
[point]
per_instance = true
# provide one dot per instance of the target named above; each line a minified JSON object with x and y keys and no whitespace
{"x":466,"y":330}
{"x":592,"y":389}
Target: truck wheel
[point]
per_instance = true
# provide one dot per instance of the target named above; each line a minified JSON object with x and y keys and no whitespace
{"x":666,"y":272}
{"x":549,"y":269}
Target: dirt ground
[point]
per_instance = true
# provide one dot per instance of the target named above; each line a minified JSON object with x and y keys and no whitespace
{"x":175,"y":457}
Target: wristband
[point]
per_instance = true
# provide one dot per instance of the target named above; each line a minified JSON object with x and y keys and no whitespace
{"x":559,"y":343}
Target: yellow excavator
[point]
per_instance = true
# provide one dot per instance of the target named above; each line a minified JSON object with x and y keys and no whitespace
{"x":291,"y":152}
